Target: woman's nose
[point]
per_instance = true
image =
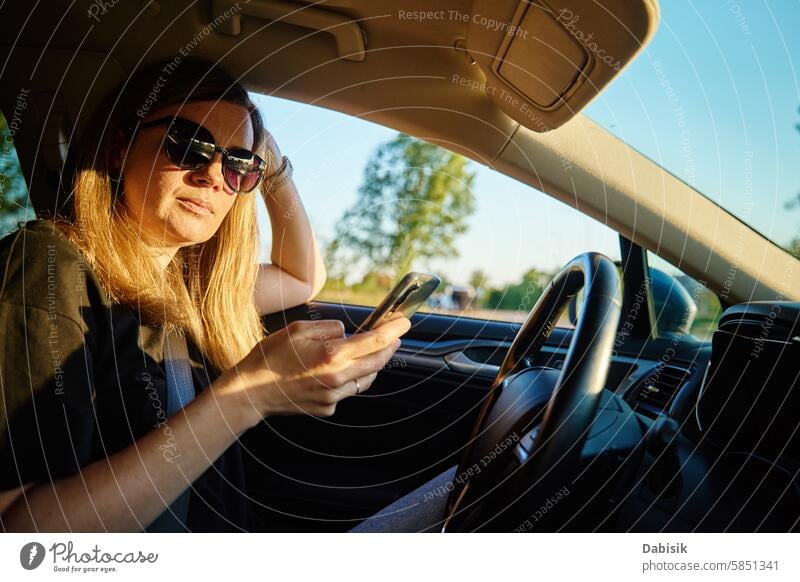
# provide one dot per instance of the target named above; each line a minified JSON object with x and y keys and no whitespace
{"x":210,"y":174}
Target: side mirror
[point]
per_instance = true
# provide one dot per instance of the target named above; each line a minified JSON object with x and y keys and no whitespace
{"x":674,"y":307}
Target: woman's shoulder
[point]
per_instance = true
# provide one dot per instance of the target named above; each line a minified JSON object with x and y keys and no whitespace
{"x":41,"y":267}
{"x":35,"y":236}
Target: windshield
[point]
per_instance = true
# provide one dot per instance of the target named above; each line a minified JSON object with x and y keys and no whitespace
{"x":714,"y":100}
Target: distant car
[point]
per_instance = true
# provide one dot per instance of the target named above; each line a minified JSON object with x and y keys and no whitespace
{"x":454,"y":297}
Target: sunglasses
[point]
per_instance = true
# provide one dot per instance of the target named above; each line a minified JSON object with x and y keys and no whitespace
{"x":191,"y":146}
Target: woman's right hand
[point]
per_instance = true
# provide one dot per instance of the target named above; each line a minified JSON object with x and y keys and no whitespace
{"x":309,"y":366}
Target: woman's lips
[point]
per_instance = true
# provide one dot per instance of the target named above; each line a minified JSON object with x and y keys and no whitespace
{"x":195,"y":206}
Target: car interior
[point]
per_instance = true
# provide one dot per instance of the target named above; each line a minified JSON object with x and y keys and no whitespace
{"x":645,"y":427}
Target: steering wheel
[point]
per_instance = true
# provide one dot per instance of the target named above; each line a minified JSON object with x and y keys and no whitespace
{"x":540,"y":415}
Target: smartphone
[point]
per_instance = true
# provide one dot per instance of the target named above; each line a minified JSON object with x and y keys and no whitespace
{"x":406,"y":297}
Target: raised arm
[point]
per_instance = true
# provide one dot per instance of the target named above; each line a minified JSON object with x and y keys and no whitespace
{"x":297,"y":273}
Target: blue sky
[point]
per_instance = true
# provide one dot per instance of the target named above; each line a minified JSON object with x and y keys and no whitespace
{"x":714,"y":99}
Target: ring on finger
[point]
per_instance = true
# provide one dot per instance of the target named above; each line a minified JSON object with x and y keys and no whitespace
{"x":358,"y":387}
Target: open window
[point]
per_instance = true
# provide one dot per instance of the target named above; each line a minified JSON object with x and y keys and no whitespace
{"x":382,"y":204}
{"x":15,"y":206}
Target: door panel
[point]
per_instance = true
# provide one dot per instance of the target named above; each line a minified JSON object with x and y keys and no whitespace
{"x":410,"y":426}
{"x":327,"y":474}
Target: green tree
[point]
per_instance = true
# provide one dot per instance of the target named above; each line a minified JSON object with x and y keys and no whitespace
{"x":794,"y":245}
{"x":413,"y":204}
{"x":14,"y":207}
{"x":794,"y":248}
{"x":478,"y":279}
{"x":520,"y":296}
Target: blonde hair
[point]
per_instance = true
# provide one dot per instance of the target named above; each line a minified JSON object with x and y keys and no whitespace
{"x":207,"y":289}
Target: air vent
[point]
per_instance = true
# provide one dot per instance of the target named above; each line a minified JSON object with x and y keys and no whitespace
{"x":657,"y":390}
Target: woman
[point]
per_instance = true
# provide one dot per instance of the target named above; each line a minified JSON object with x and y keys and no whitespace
{"x":160,"y":238}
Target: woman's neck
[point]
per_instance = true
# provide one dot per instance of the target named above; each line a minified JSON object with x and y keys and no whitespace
{"x":162,"y":255}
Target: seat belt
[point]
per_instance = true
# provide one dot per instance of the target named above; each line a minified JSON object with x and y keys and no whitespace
{"x":180,"y":391}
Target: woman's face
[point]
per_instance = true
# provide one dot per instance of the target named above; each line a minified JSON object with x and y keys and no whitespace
{"x":165,"y":200}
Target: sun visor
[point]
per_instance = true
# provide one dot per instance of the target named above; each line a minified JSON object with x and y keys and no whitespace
{"x":544,"y":61}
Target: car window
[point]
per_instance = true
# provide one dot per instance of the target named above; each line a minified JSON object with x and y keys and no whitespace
{"x":683,"y":306}
{"x":714,"y":101}
{"x":383,"y":203}
{"x":15,"y":206}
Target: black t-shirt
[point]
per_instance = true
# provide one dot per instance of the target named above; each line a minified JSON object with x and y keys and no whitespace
{"x":82,"y":377}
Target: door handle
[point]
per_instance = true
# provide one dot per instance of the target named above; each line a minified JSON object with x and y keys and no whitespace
{"x":461,"y":363}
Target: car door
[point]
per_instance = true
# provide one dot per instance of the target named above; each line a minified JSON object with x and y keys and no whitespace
{"x":325,"y":474}
{"x":312,"y":473}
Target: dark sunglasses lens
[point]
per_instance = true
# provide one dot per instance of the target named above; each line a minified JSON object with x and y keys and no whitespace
{"x":187,"y":154}
{"x":188,"y":146}
{"x":242,"y":170}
